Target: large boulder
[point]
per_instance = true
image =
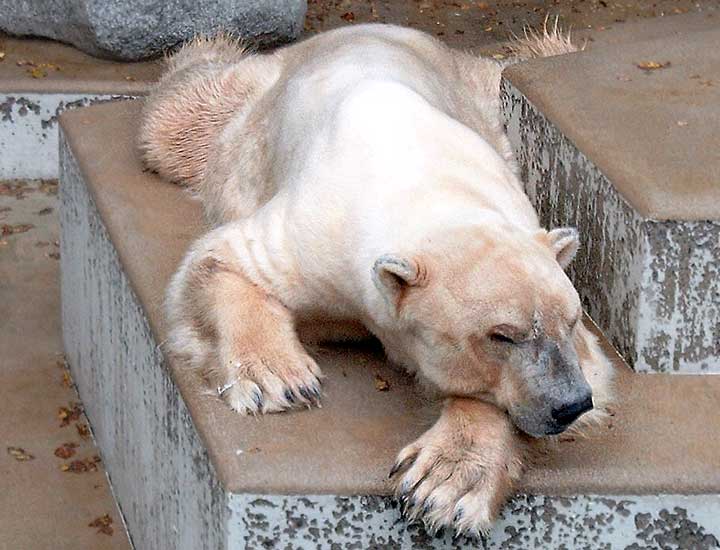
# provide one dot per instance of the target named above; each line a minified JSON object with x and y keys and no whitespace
{"x":137,"y":29}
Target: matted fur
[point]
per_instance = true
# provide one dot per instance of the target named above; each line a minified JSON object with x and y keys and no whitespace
{"x":363,"y":178}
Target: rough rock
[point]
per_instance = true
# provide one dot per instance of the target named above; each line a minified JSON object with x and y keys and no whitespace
{"x":137,"y":29}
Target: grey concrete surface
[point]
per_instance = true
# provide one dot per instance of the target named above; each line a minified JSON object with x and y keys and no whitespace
{"x":262,"y":481}
{"x":632,"y":161}
{"x":28,"y":131}
{"x":41,"y":506}
{"x":137,"y":29}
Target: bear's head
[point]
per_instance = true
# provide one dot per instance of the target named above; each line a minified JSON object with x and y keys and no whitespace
{"x":490,"y":313}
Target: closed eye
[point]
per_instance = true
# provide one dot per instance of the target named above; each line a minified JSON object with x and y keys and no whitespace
{"x":501,"y":338}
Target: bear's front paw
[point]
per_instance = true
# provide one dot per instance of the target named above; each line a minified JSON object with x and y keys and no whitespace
{"x":459,"y":473}
{"x":257,"y":382}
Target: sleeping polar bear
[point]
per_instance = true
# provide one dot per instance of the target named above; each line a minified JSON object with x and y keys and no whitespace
{"x":361,"y":181}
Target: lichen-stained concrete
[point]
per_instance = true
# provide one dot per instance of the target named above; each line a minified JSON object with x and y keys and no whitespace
{"x":188,"y":470}
{"x":627,"y":156}
{"x":28,"y":131}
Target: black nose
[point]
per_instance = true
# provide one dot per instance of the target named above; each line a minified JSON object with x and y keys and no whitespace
{"x":566,"y":414}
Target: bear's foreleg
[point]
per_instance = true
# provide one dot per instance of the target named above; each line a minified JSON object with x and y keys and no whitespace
{"x":237,"y":330}
{"x":460,"y":472}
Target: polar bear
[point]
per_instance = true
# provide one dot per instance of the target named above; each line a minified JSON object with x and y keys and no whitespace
{"x":361,"y":181}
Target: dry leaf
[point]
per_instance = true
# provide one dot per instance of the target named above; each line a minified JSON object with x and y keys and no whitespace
{"x":71,"y":414}
{"x":49,"y":187}
{"x":6,"y":229}
{"x":20,"y":454}
{"x":103,"y":524}
{"x":83,"y":430}
{"x":348,"y":16}
{"x":653,"y":65}
{"x":381,"y":384}
{"x":13,"y":189}
{"x":66,"y":450}
{"x":82,"y":465}
{"x":67,"y":379}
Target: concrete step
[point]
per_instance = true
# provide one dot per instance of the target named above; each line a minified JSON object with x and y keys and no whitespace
{"x":629,"y":155}
{"x":190,"y":473}
{"x":39,"y":79}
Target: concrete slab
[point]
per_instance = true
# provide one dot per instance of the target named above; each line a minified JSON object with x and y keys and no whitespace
{"x":40,"y":78}
{"x":324,"y":471}
{"x":627,"y":155}
{"x":42,"y":506}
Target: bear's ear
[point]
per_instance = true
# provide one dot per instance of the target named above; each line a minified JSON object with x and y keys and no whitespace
{"x":393,"y":275}
{"x":564,"y":242}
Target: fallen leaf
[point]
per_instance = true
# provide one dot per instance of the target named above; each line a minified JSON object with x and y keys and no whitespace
{"x":20,"y":454}
{"x":6,"y":229}
{"x":348,"y":16}
{"x":653,"y":65}
{"x":69,"y":414}
{"x":13,"y":189}
{"x":82,"y":465}
{"x":103,"y":524}
{"x":66,"y":450}
{"x":82,"y":430}
{"x":67,"y":379}
{"x":49,"y":187}
{"x":381,"y":384}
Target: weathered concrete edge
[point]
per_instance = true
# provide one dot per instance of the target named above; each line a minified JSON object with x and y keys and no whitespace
{"x":157,"y":465}
{"x":658,"y":304}
{"x":584,"y":521}
{"x":28,"y":131}
{"x":161,"y":474}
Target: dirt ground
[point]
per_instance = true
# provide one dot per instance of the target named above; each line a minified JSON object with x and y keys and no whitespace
{"x":477,"y":24}
{"x":53,"y":490}
{"x":51,"y":501}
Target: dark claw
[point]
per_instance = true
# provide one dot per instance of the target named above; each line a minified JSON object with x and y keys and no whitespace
{"x":290,"y":396}
{"x":395,"y":469}
{"x":427,"y":507}
{"x":305,"y":393}
{"x":258,"y":398}
{"x":316,"y":392}
{"x":403,"y":505}
{"x":458,"y":515}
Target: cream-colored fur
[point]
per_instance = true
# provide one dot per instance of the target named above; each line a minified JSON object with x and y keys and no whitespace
{"x":361,"y":181}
